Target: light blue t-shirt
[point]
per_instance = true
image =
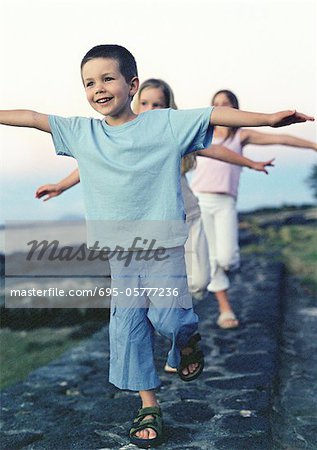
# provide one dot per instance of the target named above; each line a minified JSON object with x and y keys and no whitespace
{"x":130,"y":173}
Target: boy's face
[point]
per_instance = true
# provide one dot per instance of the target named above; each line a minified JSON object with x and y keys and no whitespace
{"x":106,"y":88}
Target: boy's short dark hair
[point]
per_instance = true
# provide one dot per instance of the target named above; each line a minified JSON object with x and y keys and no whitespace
{"x":126,"y":61}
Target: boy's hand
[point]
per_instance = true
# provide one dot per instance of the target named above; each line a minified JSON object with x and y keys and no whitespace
{"x":261,"y":166}
{"x":284,"y":118}
{"x":50,"y":190}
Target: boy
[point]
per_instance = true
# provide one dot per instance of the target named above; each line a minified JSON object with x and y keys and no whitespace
{"x":129,"y":168}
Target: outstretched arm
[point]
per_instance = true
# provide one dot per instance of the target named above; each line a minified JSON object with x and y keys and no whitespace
{"x":257,"y":138}
{"x":231,"y":117}
{"x":25,"y":118}
{"x":224,"y":154}
{"x":53,"y":190}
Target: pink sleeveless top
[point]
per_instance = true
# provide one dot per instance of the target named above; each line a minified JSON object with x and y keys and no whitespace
{"x":213,"y":176}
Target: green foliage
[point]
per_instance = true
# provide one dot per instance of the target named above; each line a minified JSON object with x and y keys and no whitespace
{"x":24,"y":351}
{"x":312,"y":180}
{"x":296,"y":245}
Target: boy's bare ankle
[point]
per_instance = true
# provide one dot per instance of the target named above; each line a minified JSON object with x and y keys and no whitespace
{"x":148,"y":399}
{"x":149,"y":404}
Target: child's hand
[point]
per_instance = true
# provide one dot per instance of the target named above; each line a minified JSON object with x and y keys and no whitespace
{"x":50,"y":190}
{"x":261,"y":166}
{"x":284,"y":118}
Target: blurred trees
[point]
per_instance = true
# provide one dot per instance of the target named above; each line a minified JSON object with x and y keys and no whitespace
{"x":312,"y":180}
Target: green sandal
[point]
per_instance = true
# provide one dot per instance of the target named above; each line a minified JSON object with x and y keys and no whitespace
{"x":154,"y":423}
{"x":196,"y":357}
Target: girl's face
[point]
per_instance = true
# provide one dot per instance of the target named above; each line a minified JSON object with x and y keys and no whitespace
{"x":222,"y":100}
{"x":151,"y":98}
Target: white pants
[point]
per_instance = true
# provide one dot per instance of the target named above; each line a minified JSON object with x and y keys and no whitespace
{"x":219,"y":216}
{"x":196,"y":257}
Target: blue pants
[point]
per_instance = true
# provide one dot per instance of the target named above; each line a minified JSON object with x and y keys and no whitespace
{"x":137,"y":310}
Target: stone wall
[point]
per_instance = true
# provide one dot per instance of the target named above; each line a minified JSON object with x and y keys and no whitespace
{"x":69,"y":404}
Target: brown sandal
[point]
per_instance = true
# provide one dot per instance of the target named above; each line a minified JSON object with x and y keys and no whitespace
{"x":195,"y":357}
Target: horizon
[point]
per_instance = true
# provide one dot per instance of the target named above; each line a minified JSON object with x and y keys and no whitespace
{"x":255,"y":193}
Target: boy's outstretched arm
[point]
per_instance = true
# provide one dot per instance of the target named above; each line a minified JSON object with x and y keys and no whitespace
{"x":231,"y":117}
{"x":53,"y":190}
{"x":25,"y":118}
{"x":224,"y":154}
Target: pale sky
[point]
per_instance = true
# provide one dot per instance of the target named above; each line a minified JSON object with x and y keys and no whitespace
{"x":263,"y":50}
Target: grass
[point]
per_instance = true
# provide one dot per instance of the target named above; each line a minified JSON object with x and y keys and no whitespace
{"x":295,"y":245}
{"x":24,"y":351}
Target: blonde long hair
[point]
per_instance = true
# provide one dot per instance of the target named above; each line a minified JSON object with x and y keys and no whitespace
{"x":157,"y":83}
{"x":188,"y":161}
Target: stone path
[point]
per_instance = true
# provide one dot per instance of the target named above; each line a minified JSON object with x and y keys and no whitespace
{"x":295,"y":408}
{"x":70,"y":405}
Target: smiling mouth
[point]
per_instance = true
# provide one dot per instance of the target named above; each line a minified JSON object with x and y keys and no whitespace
{"x":104,"y":100}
